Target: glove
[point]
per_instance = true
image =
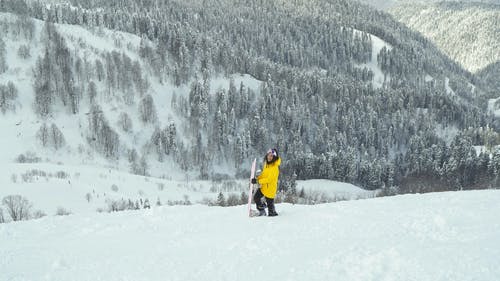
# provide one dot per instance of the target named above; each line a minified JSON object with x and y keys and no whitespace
{"x":254,"y":181}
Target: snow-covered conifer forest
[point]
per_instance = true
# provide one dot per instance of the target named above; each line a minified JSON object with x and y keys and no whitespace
{"x":343,"y":91}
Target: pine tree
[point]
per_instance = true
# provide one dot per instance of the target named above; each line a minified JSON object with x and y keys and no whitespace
{"x":243,"y":198}
{"x":221,"y":201}
{"x":3,"y":57}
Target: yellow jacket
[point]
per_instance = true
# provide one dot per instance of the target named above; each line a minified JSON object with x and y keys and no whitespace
{"x":268,"y":179}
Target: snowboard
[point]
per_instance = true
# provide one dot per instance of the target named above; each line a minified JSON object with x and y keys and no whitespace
{"x":254,"y":213}
{"x":251,"y":212}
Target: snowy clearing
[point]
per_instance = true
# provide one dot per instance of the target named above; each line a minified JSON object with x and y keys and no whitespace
{"x":339,"y":190}
{"x":441,"y":236}
{"x":493,"y":107}
{"x":378,"y":75}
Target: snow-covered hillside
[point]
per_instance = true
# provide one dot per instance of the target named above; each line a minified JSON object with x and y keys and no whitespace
{"x":91,"y":46}
{"x":435,"y":237}
{"x":75,"y":176}
{"x":387,"y":4}
{"x":467,"y":32}
{"x":145,"y":87}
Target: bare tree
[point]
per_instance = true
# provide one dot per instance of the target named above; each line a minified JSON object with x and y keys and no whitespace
{"x":92,"y":92}
{"x":125,"y":122}
{"x":233,"y":200}
{"x":147,"y":110}
{"x":101,"y":135}
{"x":38,"y":214}
{"x":43,"y":134}
{"x":61,"y":211}
{"x":50,"y":136}
{"x":17,"y":206}
{"x":99,"y":70}
{"x":143,"y":166}
{"x":24,"y":52}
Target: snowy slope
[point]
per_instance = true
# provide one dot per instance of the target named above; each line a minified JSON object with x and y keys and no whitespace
{"x":441,"y":236}
{"x":378,"y":75}
{"x":467,"y":32}
{"x":90,"y":44}
{"x":493,"y":108}
{"x":387,"y":4}
{"x":338,"y":190}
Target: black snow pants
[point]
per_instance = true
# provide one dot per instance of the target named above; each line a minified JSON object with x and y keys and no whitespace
{"x":260,"y":205}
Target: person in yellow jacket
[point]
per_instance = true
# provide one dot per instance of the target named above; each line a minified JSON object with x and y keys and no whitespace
{"x":268,"y":181}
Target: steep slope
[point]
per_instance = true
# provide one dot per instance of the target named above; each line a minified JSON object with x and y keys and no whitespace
{"x":92,"y":55}
{"x":432,"y":237}
{"x":467,"y":32}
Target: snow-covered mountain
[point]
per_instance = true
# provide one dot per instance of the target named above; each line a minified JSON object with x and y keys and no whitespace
{"x":431,"y":237}
{"x":123,"y":105}
{"x":467,"y":32}
{"x":388,"y":4}
{"x":123,"y":121}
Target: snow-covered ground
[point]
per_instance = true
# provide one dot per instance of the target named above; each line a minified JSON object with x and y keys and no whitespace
{"x":378,"y":75}
{"x":493,"y":107}
{"x":440,"y":236}
{"x":337,"y":190}
{"x":83,"y":189}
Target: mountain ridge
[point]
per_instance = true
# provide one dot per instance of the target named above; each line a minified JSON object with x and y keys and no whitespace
{"x":466,"y":31}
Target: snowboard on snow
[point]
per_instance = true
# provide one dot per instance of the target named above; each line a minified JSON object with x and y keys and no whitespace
{"x":254,"y":213}
{"x":251,"y":212}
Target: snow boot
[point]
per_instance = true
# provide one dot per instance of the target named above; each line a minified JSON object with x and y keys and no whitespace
{"x":272,"y":213}
{"x":262,"y":213}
